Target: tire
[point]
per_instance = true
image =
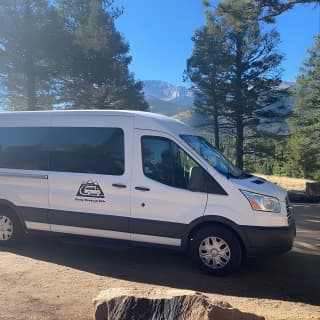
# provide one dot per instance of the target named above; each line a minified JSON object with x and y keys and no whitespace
{"x":216,"y":250}
{"x":10,"y":228}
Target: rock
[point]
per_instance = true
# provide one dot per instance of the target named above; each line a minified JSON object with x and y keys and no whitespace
{"x":313,"y":189}
{"x":302,"y":197}
{"x":170,"y":304}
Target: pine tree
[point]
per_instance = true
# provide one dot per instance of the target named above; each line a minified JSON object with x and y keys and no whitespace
{"x":273,"y":8}
{"x":27,"y":47}
{"x":207,"y":69}
{"x":97,"y":60}
{"x":235,"y":69}
{"x":304,"y":144}
{"x":255,"y":73}
{"x":64,"y":53}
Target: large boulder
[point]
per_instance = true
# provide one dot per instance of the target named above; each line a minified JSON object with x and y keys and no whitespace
{"x":313,"y":189}
{"x":160,"y":304}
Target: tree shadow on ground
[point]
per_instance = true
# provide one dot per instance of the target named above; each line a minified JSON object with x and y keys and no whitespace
{"x":290,"y":277}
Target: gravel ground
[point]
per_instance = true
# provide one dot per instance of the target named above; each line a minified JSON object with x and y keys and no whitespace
{"x":52,"y":278}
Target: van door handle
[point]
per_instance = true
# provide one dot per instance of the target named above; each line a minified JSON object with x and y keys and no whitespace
{"x":119,"y":185}
{"x":142,"y":188}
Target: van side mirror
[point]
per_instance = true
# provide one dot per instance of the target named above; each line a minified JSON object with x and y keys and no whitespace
{"x":197,"y":180}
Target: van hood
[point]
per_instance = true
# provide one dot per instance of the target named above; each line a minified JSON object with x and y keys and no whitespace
{"x":260,"y":185}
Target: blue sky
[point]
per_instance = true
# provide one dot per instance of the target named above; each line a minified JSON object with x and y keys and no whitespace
{"x":159,"y":33}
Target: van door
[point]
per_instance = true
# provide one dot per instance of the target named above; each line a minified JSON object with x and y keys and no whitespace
{"x":162,"y":205}
{"x":89,"y":182}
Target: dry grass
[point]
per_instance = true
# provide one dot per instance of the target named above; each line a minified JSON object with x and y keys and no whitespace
{"x":293,"y":184}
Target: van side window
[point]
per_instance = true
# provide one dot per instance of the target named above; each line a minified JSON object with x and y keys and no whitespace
{"x":87,"y":150}
{"x":165,"y":162}
{"x":23,"y":148}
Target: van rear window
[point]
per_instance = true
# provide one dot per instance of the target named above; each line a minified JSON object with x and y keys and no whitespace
{"x":23,"y":148}
{"x":83,"y":150}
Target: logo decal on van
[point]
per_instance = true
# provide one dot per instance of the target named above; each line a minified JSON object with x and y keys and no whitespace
{"x":91,"y":191}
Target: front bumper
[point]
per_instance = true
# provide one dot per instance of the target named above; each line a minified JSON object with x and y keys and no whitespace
{"x":268,"y":240}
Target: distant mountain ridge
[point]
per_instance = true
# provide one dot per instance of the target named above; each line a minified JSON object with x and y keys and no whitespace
{"x":166,"y":91}
{"x":177,"y":101}
{"x":166,"y":98}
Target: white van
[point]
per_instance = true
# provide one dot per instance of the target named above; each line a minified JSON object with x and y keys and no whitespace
{"x":135,"y":176}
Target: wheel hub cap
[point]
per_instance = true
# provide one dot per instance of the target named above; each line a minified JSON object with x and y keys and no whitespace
{"x":6,"y":228}
{"x":214,"y":252}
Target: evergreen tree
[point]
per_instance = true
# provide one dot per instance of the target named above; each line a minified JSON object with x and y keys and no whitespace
{"x":235,"y":68}
{"x":207,"y":69}
{"x":29,"y":30}
{"x":97,"y":60}
{"x":273,"y":8}
{"x":255,"y":73}
{"x":65,"y":53}
{"x":304,"y":144}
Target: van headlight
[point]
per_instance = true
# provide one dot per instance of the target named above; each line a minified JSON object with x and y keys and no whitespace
{"x":260,"y":202}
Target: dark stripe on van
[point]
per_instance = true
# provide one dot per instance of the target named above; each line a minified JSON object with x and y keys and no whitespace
{"x":105,"y":222}
{"x":89,"y":220}
{"x":34,"y":214}
{"x":157,"y":228}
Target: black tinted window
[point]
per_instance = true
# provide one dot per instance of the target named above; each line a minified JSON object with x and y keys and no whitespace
{"x":165,"y":162}
{"x":87,"y":150}
{"x":23,"y":148}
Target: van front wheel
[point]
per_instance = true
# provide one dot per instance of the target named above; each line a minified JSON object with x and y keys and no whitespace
{"x":216,"y":250}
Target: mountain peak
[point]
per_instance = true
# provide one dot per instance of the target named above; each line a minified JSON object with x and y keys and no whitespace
{"x":166,"y":91}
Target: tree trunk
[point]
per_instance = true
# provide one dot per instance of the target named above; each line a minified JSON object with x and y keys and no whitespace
{"x":30,"y":82}
{"x":216,"y":128}
{"x":239,"y":140}
{"x":239,"y":105}
{"x":30,"y":86}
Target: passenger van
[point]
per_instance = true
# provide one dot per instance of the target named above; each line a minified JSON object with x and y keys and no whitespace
{"x":139,"y":177}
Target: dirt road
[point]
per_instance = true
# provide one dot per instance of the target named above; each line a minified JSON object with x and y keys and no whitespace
{"x":48,"y":278}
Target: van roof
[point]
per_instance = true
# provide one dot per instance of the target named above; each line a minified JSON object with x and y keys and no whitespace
{"x":128,"y":113}
{"x":142,"y":119}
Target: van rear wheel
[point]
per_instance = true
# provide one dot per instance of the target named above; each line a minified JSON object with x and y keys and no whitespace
{"x":10,"y":228}
{"x":216,"y":250}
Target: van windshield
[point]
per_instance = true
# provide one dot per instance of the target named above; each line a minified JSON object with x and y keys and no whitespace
{"x":213,"y":156}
